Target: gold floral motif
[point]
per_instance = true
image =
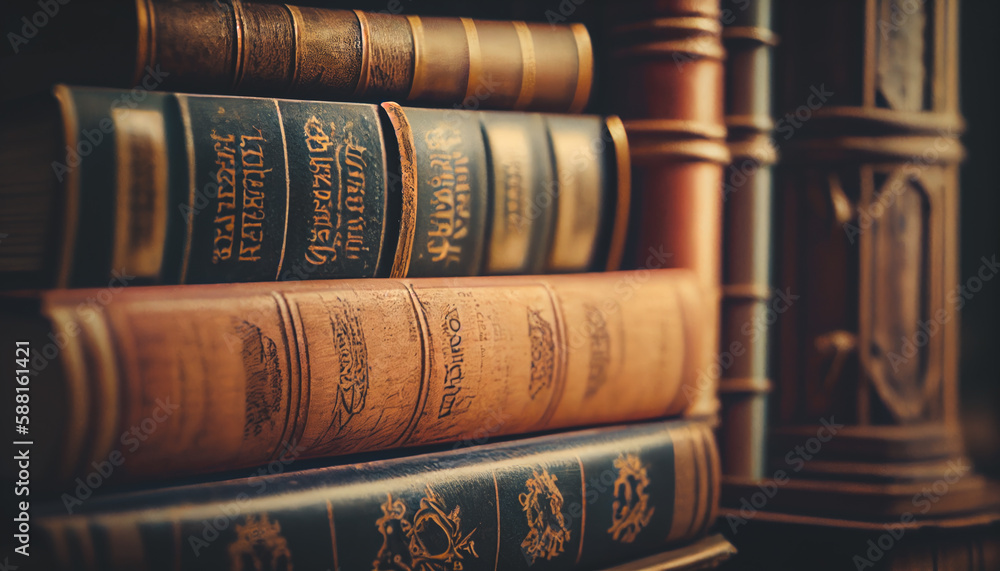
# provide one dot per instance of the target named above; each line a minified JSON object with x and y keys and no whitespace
{"x":542,"y":505}
{"x":404,"y":540}
{"x":259,"y":546}
{"x":630,"y":512}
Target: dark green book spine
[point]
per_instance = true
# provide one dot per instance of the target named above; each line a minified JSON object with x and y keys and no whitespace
{"x":570,"y":501}
{"x":202,"y":189}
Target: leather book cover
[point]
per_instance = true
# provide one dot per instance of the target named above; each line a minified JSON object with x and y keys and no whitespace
{"x":580,"y":500}
{"x":181,"y":188}
{"x":221,"y":377}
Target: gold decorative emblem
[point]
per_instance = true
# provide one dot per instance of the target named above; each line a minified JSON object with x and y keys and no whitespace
{"x":429,"y":541}
{"x":543,"y":351}
{"x":630,"y":512}
{"x":259,"y":546}
{"x":542,"y":505}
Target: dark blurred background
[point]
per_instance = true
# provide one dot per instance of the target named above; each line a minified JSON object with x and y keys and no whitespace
{"x":980,"y":376}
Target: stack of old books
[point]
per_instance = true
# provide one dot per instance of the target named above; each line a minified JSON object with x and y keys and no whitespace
{"x":439,"y":286}
{"x":240,"y":247}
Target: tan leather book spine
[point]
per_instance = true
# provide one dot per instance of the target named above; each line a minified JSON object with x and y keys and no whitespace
{"x":666,"y":84}
{"x":219,"y":377}
{"x":748,"y":305}
{"x":318,"y":53}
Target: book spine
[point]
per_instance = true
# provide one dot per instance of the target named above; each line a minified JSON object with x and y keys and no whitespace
{"x":220,"y":377}
{"x":317,"y":53}
{"x":198,"y":189}
{"x":566,"y":501}
{"x":677,"y":145}
{"x":747,"y":305}
{"x":207,"y":189}
{"x":507,"y":193}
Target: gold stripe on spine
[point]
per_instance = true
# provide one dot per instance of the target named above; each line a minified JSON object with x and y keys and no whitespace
{"x":655,"y":153}
{"x":585,"y":66}
{"x":239,"y":36}
{"x":408,"y":170}
{"x":529,"y":66}
{"x":145,"y":38}
{"x":691,"y":25}
{"x":71,"y":187}
{"x":496,"y":491}
{"x":299,"y":384}
{"x":745,"y":385}
{"x":754,"y":292}
{"x":668,"y":49}
{"x":674,"y":127}
{"x":366,"y":49}
{"x":684,"y":473}
{"x":623,"y":165}
{"x":419,"y":72}
{"x":714,"y":472}
{"x":583,"y":501}
{"x":288,"y":190}
{"x":475,"y":56}
{"x":77,"y":388}
{"x":182,"y":101}
{"x":296,"y":16}
{"x":141,"y":187}
{"x":333,"y":534}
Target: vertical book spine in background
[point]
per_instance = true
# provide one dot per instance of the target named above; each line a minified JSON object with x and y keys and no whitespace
{"x":570,"y":501}
{"x":746,"y":243}
{"x":238,"y":372}
{"x":666,"y":82}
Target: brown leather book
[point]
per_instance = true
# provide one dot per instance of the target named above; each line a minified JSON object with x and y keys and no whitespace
{"x":749,"y":307}
{"x":192,"y":379}
{"x":283,"y":50}
{"x":577,"y":500}
{"x":182,"y":188}
{"x":665,"y":81}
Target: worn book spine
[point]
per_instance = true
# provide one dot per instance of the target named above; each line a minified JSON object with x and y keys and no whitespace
{"x":205,"y":189}
{"x":666,"y":77}
{"x":567,"y":501}
{"x":232,"y":373}
{"x":300,"y":52}
{"x":747,"y":305}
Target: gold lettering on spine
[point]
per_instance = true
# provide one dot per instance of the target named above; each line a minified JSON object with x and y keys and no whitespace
{"x":454,"y":365}
{"x":452,"y":195}
{"x":252,"y":217}
{"x":225,"y":208}
{"x":336,"y":226}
